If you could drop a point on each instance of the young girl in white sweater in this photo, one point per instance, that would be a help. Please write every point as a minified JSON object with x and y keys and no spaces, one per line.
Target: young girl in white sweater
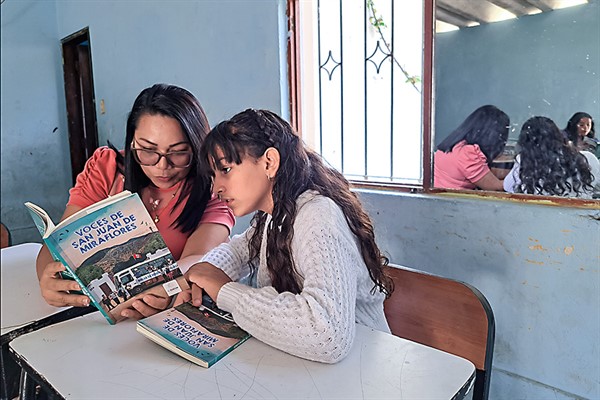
{"x":309,"y":263}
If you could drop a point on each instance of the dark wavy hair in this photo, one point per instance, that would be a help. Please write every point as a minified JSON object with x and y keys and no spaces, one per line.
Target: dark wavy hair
{"x":571,"y":128}
{"x":549,"y":166}
{"x":487,"y":127}
{"x":181,"y":105}
{"x":250,"y":133}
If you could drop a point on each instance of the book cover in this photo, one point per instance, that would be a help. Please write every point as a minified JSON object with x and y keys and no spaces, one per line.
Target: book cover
{"x":114,"y":251}
{"x":202,"y":335}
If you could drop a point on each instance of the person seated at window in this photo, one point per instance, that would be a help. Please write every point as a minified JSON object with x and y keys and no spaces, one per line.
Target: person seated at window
{"x":310,"y":252}
{"x":547,"y":165}
{"x":462,"y":160}
{"x":581,"y":133}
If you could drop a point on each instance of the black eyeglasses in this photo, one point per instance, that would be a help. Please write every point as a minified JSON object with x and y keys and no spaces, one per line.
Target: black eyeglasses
{"x":176,"y":159}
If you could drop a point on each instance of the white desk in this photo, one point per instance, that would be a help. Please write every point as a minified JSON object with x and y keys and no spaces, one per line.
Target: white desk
{"x":23,"y":309}
{"x":22,"y":302}
{"x":85,"y":358}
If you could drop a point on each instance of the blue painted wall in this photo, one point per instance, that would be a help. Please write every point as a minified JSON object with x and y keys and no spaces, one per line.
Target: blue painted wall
{"x":35,"y":162}
{"x":537,"y":265}
{"x":225,"y":52}
{"x":545,"y":64}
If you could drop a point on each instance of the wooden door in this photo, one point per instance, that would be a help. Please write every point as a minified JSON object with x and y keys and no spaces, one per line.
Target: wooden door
{"x":80,"y":99}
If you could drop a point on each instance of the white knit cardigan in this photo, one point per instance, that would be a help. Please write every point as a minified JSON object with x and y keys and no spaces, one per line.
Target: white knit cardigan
{"x":318,"y":323}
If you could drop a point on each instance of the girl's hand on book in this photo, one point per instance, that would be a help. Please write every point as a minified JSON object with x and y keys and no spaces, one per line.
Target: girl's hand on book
{"x":146,"y":306}
{"x":183,"y":297}
{"x":55,"y":290}
{"x":205,"y":277}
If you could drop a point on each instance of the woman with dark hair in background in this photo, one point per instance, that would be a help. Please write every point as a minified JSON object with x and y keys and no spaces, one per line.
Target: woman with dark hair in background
{"x":546,"y":165}
{"x":462,"y":160}
{"x":161,"y":162}
{"x":580,"y":132}
{"x":310,"y":253}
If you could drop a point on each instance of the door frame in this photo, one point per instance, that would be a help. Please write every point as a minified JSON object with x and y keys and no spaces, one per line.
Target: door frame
{"x":80,"y":98}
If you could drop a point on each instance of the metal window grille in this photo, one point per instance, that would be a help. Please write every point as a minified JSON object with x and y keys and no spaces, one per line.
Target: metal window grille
{"x":364,"y":117}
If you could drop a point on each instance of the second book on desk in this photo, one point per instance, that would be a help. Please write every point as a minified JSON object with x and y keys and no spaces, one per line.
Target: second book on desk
{"x":114,"y":251}
{"x":202,"y":335}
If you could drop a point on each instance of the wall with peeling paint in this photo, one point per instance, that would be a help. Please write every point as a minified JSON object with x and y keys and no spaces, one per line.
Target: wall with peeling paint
{"x":538,"y":266}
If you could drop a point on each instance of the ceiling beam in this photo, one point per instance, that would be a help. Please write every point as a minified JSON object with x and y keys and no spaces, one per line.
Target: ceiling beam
{"x":460,"y":9}
{"x":463,"y":13}
{"x":451,"y":18}
{"x":541,"y":4}
{"x":517,"y":7}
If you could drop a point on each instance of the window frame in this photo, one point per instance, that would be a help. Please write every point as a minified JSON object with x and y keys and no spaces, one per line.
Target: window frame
{"x":295,"y":92}
{"x":428,"y":84}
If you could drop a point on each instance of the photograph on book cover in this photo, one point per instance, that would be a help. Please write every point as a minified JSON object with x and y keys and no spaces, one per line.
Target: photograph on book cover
{"x":215,"y":320}
{"x":117,"y":253}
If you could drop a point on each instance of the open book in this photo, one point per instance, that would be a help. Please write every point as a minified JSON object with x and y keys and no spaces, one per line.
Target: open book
{"x":202,"y":335}
{"x":114,"y":251}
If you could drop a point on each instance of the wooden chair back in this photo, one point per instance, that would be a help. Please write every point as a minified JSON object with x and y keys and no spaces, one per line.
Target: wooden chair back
{"x":445,"y":314}
{"x":4,"y":236}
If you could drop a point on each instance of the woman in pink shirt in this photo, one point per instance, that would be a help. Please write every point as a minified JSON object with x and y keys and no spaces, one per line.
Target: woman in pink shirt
{"x":462,"y":160}
{"x":165,"y":130}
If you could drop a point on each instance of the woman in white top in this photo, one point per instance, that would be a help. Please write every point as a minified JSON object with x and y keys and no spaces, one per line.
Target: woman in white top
{"x":314,"y":267}
{"x":547,"y":165}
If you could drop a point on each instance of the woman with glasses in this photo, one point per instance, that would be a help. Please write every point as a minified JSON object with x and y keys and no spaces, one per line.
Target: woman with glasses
{"x":160,"y":162}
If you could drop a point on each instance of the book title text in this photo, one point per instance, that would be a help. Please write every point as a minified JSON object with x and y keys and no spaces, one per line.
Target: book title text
{"x":103,"y":230}
{"x":188,"y":333}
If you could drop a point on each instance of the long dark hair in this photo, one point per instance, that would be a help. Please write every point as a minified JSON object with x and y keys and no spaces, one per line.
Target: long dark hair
{"x":250,"y":133}
{"x":179,"y":104}
{"x":549,"y":165}
{"x":571,"y":128}
{"x":487,"y":127}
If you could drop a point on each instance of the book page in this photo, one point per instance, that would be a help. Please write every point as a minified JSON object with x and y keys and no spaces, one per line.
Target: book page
{"x":41,"y":219}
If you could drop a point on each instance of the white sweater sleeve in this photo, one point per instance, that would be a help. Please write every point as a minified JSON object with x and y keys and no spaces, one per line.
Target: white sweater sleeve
{"x":594,"y":169}
{"x":318,"y":323}
{"x":232,"y":257}
{"x":512,"y":180}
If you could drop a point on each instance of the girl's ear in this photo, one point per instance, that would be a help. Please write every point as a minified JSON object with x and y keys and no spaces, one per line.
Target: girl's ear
{"x":272,"y":158}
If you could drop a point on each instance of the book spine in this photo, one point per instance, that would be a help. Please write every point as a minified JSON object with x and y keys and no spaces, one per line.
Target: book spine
{"x":58,"y":257}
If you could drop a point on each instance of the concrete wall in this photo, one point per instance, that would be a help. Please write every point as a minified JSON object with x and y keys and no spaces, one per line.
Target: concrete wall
{"x":538,"y":266}
{"x":35,"y":164}
{"x":545,"y":64}
{"x":228,"y":53}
